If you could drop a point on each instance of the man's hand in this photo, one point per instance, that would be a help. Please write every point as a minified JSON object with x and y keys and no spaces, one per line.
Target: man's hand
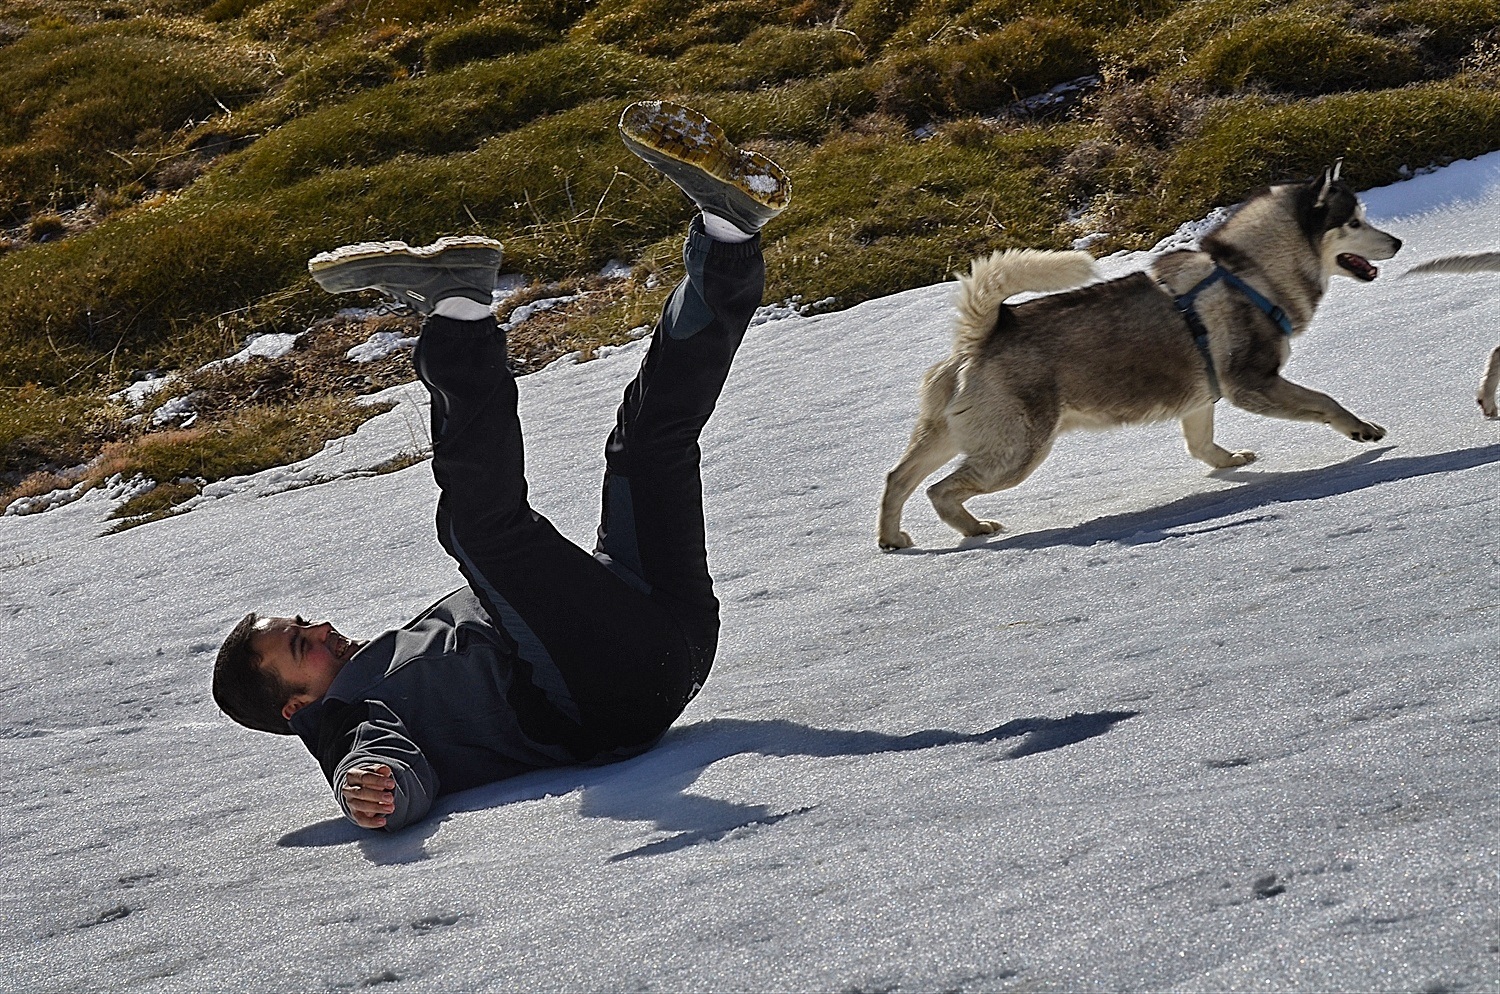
{"x":369,"y":791}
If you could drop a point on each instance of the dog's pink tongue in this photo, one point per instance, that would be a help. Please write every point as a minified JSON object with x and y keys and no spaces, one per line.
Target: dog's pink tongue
{"x":1359,"y":266}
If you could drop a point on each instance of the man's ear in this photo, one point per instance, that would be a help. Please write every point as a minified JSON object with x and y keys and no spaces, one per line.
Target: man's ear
{"x":295,"y":704}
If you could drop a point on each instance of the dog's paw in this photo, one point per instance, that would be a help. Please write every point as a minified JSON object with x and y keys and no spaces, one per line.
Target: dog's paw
{"x":1367,"y":431}
{"x":901,"y":540}
{"x":1224,"y":459}
{"x":986,"y":528}
{"x":1487,"y":405}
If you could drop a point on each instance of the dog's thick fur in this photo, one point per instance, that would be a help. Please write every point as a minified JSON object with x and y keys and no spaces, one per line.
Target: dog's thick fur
{"x":1118,"y":352}
{"x":1477,"y":262}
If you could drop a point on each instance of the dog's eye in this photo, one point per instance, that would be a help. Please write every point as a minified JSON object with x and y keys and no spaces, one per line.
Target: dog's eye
{"x":1354,"y":223}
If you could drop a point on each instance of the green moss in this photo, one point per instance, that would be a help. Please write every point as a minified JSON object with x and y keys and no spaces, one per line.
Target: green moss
{"x":133,"y":285}
{"x":668,"y":27}
{"x":874,"y":21}
{"x":956,"y":21}
{"x":804,"y":112}
{"x":482,"y":38}
{"x":767,"y":57}
{"x":228,"y":10}
{"x":1023,"y":58}
{"x":1446,"y":29}
{"x":1248,"y":143}
{"x":45,"y":427}
{"x":250,"y":440}
{"x":313,"y":21}
{"x":1162,"y":45}
{"x":1301,"y":53}
{"x":71,"y":99}
{"x":436,"y":115}
{"x":374,"y":119}
{"x":555,"y":14}
{"x":864,"y":203}
{"x":328,"y":77}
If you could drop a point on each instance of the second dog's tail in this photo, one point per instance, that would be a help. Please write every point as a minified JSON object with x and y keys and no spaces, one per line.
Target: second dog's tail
{"x":992,"y":279}
{"x":1475,"y":262}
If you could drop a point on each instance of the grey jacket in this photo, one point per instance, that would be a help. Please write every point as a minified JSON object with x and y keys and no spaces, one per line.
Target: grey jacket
{"x":439,"y":702}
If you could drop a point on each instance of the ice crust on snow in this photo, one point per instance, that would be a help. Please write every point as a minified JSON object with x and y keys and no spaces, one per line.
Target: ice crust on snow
{"x":135,"y":395}
{"x":378,"y":346}
{"x":1170,"y":731}
{"x":269,"y":346}
{"x":527,"y":311}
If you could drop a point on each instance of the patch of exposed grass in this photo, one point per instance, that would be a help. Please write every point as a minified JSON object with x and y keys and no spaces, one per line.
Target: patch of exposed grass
{"x":84,"y":105}
{"x":36,"y":484}
{"x":1159,"y":45}
{"x":1246,"y":144}
{"x":309,"y":22}
{"x":874,"y":21}
{"x":482,"y":38}
{"x":151,"y":279}
{"x":434,"y":115}
{"x":669,"y":27}
{"x":1300,"y":52}
{"x":1024,"y":57}
{"x":161,"y":501}
{"x":50,"y":430}
{"x":328,"y":77}
{"x":955,"y":21}
{"x":767,"y":57}
{"x":149,"y":220}
{"x":1445,"y":29}
{"x":247,"y":441}
{"x":868,"y":205}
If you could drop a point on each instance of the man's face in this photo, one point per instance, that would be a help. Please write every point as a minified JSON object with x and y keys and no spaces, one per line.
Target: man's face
{"x":303,"y":655}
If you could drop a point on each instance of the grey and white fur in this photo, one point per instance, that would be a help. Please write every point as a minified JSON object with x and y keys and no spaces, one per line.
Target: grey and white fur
{"x":1475,"y":262}
{"x":1119,"y":352}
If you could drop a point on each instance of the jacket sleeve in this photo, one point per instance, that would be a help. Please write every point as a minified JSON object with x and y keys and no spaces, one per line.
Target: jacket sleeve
{"x":369,"y":732}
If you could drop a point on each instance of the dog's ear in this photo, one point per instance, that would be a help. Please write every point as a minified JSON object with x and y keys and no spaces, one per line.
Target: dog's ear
{"x":1324,"y":185}
{"x":1327,"y":183}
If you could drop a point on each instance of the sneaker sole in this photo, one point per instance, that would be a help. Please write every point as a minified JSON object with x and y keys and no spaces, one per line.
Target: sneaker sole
{"x":680,"y":134}
{"x":365,"y":265}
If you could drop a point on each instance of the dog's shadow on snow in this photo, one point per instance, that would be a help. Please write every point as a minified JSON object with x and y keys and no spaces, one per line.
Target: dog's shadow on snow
{"x":653,"y":787}
{"x":1208,"y":512}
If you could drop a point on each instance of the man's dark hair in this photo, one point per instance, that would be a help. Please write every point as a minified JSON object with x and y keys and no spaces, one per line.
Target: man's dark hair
{"x":243,"y":690}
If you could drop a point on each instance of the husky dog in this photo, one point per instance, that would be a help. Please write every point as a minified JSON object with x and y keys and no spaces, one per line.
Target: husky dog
{"x":1146,"y":347}
{"x":1478,"y":262}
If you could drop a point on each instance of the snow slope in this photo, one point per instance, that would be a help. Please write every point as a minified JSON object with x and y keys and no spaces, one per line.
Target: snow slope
{"x":1170,"y":731}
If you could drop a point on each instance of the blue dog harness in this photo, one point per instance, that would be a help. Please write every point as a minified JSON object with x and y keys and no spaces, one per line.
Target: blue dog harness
{"x":1185,"y":305}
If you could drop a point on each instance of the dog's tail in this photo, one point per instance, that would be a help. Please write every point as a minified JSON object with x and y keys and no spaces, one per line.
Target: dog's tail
{"x":1474,"y":262}
{"x":992,"y":279}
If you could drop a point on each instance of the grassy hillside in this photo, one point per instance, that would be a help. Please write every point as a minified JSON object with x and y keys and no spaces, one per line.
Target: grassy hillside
{"x":167,"y":166}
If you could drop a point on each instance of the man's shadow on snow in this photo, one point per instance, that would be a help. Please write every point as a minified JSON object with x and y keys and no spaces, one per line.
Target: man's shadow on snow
{"x":1260,"y":490}
{"x":654,"y":787}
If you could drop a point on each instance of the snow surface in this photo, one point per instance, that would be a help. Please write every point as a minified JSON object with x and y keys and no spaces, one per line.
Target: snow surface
{"x":1173,"y":730}
{"x":273,"y":345}
{"x":135,"y":395}
{"x":379,"y":345}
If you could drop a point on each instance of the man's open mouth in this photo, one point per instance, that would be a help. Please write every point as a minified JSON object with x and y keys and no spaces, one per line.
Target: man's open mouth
{"x":1357,"y":266}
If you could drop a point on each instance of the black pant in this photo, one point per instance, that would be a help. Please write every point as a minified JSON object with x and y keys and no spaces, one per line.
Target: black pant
{"x":611,"y":646}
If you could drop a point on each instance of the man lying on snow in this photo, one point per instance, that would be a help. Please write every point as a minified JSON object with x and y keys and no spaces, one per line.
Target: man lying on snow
{"x":550,"y":656}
